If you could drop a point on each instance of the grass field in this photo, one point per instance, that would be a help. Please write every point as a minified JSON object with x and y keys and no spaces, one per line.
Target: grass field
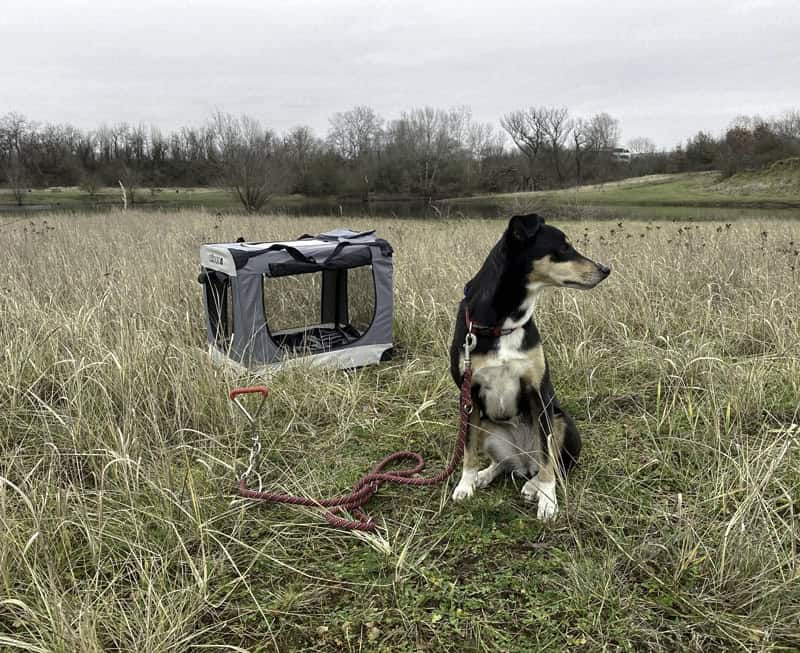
{"x":691,"y":195}
{"x":679,"y":530}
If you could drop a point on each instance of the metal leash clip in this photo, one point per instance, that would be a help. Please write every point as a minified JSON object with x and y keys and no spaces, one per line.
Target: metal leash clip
{"x":255,"y":448}
{"x":469,"y":344}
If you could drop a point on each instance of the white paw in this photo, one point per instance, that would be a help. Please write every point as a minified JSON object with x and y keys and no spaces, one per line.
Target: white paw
{"x":544,"y":492}
{"x":485,"y":477}
{"x":547,"y":509}
{"x":463,"y":491}
{"x":466,"y":486}
{"x":530,"y":491}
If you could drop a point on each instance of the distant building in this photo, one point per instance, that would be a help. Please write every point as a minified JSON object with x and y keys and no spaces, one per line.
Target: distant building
{"x":620,"y":154}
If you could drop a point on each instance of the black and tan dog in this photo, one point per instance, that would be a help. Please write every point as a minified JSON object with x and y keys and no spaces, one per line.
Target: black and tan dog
{"x":517,"y":420}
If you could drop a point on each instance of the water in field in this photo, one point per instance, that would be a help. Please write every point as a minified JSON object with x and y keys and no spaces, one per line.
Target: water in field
{"x":395,"y":208}
{"x":491,"y":208}
{"x":413,"y":208}
{"x":432,"y":209}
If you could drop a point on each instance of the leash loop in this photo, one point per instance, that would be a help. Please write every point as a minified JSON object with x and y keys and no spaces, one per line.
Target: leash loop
{"x":369,"y":484}
{"x":366,"y":487}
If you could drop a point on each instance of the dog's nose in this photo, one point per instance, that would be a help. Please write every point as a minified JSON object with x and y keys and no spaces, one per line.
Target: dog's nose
{"x":604,"y":269}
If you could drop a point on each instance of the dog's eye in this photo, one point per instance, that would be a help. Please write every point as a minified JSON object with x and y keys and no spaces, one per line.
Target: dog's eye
{"x":565,"y":248}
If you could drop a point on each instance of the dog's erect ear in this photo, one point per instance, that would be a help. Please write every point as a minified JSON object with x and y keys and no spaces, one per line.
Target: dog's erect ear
{"x":522,"y":228}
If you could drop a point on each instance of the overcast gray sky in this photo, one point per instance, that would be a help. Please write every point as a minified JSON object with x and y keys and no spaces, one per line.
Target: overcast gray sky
{"x":664,"y":69}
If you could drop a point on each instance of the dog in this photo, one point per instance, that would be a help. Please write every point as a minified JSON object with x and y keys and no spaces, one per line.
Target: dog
{"x":516,"y":418}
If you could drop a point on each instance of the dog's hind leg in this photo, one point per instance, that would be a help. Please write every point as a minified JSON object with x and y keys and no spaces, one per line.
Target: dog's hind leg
{"x":472,"y":448}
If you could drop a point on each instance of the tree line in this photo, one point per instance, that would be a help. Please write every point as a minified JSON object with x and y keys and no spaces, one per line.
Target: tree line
{"x":425,"y":152}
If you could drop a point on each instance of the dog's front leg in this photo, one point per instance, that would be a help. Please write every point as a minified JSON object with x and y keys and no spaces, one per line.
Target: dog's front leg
{"x":542,"y":487}
{"x":472,"y":448}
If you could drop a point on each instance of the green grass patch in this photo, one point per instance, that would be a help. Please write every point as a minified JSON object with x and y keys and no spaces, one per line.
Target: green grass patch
{"x":704,"y":195}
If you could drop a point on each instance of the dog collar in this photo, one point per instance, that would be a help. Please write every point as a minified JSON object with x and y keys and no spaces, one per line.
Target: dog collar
{"x":483,"y":330}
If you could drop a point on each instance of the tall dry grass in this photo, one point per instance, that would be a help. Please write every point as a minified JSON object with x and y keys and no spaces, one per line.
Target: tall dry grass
{"x":118,"y":451}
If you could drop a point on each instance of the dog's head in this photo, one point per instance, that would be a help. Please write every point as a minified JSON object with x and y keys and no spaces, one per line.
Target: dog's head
{"x":548,"y":257}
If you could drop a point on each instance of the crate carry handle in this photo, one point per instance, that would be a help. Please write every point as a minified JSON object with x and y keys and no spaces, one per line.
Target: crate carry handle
{"x":295,"y":253}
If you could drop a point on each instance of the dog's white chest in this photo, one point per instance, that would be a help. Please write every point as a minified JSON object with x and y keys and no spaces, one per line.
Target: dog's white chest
{"x":508,"y":353}
{"x":509,"y":347}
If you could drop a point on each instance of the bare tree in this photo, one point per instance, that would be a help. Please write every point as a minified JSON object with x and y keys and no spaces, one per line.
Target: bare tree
{"x":158,"y":147}
{"x":743,"y":122}
{"x":131,"y":178}
{"x":605,"y":132}
{"x":14,"y":130}
{"x":459,"y":120}
{"x":482,"y":142}
{"x":788,"y":126}
{"x":426,"y":139}
{"x":604,"y":135}
{"x":17,"y":178}
{"x":249,"y":159}
{"x":581,"y":137}
{"x":556,"y":126}
{"x":86,"y":149}
{"x":103,"y":138}
{"x":137,"y":143}
{"x":526,"y":128}
{"x":356,"y":133}
{"x":14,"y":135}
{"x":90,"y":184}
{"x":641,"y":145}
{"x":301,"y":145}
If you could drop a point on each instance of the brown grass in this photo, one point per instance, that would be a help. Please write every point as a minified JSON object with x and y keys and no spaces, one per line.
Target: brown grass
{"x":118,"y":451}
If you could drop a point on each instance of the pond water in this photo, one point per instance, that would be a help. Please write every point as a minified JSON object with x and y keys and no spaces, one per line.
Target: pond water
{"x":436,"y":209}
{"x":392,"y":208}
{"x":414,"y":208}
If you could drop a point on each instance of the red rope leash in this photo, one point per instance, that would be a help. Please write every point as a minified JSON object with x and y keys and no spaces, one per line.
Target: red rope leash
{"x":369,"y":484}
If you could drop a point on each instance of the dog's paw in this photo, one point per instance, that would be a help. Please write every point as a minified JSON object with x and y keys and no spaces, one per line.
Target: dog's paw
{"x":546,"y":509}
{"x":530,"y":491}
{"x":485,"y":477}
{"x":466,"y":485}
{"x":544,"y":493}
{"x":463,"y":491}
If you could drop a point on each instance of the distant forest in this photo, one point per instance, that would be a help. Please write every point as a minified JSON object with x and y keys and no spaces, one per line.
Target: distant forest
{"x":426,"y":152}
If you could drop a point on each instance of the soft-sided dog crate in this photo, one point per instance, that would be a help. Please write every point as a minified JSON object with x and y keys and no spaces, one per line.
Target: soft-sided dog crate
{"x":337,"y":287}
